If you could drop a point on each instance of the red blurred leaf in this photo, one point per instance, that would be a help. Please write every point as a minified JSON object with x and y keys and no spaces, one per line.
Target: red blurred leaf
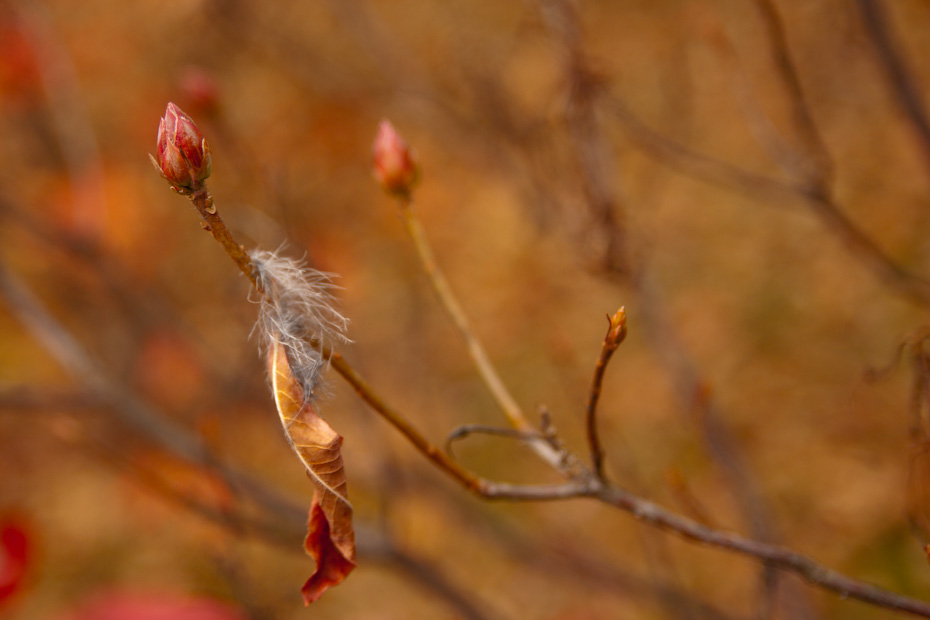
{"x":331,"y":537}
{"x":15,"y":556}
{"x":118,"y":605}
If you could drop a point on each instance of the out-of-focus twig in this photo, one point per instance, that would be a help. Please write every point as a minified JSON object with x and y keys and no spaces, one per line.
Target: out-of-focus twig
{"x":426,"y":575}
{"x":562,"y":19}
{"x":79,"y":148}
{"x":819,"y":164}
{"x":587,"y":485}
{"x":688,"y":161}
{"x":587,"y":143}
{"x":906,"y":89}
{"x":285,"y":522}
{"x":71,"y":355}
{"x":760,"y":125}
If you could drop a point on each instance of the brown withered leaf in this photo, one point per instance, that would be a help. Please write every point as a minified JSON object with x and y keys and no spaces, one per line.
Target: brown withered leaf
{"x":330,"y":536}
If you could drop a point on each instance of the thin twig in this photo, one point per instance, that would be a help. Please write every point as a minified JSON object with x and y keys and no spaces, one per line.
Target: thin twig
{"x":759,"y":123}
{"x":479,"y":486}
{"x":616,"y":332}
{"x":213,"y":224}
{"x":814,"y":146}
{"x":663,"y":149}
{"x":71,"y":122}
{"x":453,"y":308}
{"x":906,"y":89}
{"x":647,"y":512}
{"x":582,"y":485}
{"x":467,"y":430}
{"x":397,"y":420}
{"x":285,"y":521}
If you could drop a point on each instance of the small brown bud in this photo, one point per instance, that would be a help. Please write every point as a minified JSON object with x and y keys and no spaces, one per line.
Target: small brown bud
{"x":617,"y":331}
{"x":182,"y":154}
{"x":393,"y":163}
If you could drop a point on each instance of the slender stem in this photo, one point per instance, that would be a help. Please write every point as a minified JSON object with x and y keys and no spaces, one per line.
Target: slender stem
{"x":907,"y":90}
{"x":585,"y":485}
{"x":814,"y":147}
{"x":616,"y":332}
{"x":453,"y":308}
{"x":824,"y":206}
{"x":394,"y":417}
{"x":476,"y":351}
{"x":467,"y":430}
{"x":213,"y":224}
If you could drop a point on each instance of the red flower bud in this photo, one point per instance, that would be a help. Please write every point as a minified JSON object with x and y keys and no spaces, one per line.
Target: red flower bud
{"x":393,"y":163}
{"x":182,"y":154}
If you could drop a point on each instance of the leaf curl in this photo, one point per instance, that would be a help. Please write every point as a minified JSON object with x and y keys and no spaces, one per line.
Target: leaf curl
{"x":331,"y":536}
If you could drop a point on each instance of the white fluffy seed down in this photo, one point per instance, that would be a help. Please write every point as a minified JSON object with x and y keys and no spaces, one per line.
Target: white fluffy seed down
{"x":297,"y":309}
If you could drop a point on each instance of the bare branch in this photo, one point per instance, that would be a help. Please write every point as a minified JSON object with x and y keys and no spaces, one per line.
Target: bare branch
{"x":905,"y":88}
{"x":476,"y":351}
{"x":588,"y":147}
{"x":647,"y":512}
{"x":398,"y":421}
{"x":616,"y":332}
{"x":213,"y":224}
{"x":466,"y":430}
{"x":688,"y":161}
{"x":284,"y":522}
{"x":816,"y":151}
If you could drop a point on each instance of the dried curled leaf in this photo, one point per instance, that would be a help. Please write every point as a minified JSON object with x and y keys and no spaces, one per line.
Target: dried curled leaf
{"x":330,"y":537}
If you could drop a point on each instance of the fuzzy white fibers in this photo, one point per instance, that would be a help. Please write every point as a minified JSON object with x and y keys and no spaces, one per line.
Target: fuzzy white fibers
{"x":297,"y":310}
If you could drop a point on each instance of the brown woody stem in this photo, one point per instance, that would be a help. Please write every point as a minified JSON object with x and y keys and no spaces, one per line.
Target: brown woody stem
{"x":213,"y":224}
{"x":397,"y":420}
{"x":612,"y":340}
{"x":579,"y":485}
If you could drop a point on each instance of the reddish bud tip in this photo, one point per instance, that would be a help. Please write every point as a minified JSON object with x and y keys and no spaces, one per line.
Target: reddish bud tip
{"x":393,"y":163}
{"x":182,"y":154}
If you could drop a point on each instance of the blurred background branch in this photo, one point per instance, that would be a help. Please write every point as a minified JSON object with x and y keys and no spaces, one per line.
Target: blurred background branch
{"x":548,"y":133}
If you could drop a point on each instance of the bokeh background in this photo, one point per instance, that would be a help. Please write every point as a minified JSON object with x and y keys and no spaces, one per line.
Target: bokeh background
{"x":739,"y":175}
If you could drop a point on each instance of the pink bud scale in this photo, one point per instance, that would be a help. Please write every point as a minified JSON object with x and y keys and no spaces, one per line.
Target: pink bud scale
{"x":393,"y":162}
{"x":182,"y":155}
